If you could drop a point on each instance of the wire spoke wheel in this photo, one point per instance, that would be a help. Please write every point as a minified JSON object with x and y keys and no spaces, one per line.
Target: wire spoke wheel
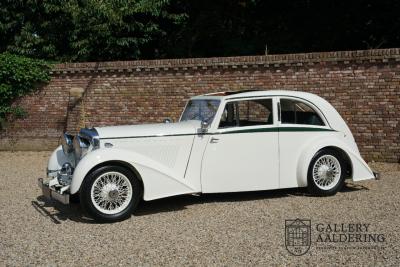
{"x":326,"y":172}
{"x":111,"y":192}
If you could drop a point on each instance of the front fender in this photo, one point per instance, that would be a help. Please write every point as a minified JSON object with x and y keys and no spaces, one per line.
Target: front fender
{"x":361,"y":170}
{"x":57,"y":159}
{"x":158,"y":180}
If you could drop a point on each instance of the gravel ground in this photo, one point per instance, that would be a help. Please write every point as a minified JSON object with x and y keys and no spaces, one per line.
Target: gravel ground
{"x":217,"y":229}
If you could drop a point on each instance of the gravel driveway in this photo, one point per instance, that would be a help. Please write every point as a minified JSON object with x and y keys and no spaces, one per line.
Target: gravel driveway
{"x":220,"y":229}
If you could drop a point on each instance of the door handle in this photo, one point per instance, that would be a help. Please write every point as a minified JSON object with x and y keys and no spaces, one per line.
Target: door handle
{"x":214,"y":140}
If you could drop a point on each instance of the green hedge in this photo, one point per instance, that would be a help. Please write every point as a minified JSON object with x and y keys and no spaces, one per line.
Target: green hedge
{"x":18,"y":77}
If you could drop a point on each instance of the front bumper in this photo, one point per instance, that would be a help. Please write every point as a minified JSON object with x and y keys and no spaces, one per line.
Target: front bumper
{"x":52,"y":191}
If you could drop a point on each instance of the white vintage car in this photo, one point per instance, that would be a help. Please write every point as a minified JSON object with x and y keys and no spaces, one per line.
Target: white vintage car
{"x":223,"y":142}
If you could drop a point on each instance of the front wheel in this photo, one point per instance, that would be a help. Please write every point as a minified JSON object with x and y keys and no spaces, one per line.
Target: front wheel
{"x":326,"y":173}
{"x":110,"y":193}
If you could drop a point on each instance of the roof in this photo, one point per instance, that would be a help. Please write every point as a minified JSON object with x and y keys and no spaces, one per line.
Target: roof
{"x":334,"y":119}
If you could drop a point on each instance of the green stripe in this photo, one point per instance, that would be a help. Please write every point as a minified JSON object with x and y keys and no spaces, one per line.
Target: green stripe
{"x":146,"y":136}
{"x":262,"y":130}
{"x":304,"y":129}
{"x":278,"y":129}
{"x":258,"y":130}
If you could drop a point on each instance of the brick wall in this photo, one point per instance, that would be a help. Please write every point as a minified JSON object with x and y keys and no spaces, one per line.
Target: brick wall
{"x":364,"y":86}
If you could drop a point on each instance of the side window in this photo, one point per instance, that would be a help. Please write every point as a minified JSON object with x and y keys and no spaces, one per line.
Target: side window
{"x":229,"y":116}
{"x":297,"y":112}
{"x":247,"y":113}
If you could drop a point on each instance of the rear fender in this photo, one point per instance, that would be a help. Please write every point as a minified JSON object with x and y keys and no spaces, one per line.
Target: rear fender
{"x":360,"y":169}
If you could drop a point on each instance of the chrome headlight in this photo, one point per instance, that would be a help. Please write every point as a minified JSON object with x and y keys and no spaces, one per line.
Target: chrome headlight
{"x":91,"y":136}
{"x":81,"y":146}
{"x":86,"y":140}
{"x":66,"y":142}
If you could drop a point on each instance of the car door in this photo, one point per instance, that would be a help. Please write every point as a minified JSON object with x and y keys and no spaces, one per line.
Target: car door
{"x":300,"y":123}
{"x":242,"y":152}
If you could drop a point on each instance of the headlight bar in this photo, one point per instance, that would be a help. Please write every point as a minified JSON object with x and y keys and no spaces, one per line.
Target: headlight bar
{"x":81,"y":142}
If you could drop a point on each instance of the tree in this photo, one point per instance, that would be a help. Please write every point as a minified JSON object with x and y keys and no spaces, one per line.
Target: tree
{"x":84,"y":30}
{"x":95,"y":30}
{"x":245,"y":27}
{"x":37,"y":29}
{"x":118,"y":29}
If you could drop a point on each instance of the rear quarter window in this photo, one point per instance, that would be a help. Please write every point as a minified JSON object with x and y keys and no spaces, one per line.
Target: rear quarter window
{"x":297,"y":112}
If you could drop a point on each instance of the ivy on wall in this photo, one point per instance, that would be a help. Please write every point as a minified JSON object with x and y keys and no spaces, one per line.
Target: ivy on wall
{"x":19,"y":76}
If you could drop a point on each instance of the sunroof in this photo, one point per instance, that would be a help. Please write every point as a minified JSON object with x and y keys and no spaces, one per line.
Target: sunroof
{"x":239,"y":92}
{"x":230,"y":93}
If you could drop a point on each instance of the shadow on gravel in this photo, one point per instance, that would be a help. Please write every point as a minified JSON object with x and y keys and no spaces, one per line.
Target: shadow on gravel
{"x":62,"y":212}
{"x":350,"y":187}
{"x":181,"y":202}
{"x":177,"y":203}
{"x":74,"y":213}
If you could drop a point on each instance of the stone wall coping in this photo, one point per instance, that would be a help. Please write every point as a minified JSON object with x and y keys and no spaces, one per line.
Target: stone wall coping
{"x":372,"y":55}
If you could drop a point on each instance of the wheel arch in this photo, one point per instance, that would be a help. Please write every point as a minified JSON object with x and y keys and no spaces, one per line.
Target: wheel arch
{"x":345,"y":157}
{"x":100,"y":158}
{"x":119,"y":163}
{"x":157,"y":179}
{"x":309,"y":153}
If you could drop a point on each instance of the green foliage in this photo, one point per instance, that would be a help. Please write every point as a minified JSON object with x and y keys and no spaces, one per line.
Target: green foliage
{"x":97,"y":30}
{"x":85,"y":30}
{"x":19,"y":76}
{"x":116,"y":29}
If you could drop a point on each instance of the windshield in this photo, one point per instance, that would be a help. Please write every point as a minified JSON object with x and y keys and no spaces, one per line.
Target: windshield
{"x":200,"y":109}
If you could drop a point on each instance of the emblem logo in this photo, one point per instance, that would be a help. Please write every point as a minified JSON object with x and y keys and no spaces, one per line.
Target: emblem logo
{"x":298,"y":236}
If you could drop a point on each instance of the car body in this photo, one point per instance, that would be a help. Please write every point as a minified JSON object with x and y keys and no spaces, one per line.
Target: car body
{"x":223,"y":142}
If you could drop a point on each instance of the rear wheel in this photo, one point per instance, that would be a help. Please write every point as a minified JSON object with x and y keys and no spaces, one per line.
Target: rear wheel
{"x":326,"y":173}
{"x":110,"y":193}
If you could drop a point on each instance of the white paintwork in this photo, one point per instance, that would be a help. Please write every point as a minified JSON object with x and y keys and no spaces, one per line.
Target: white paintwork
{"x":157,"y":129}
{"x":57,"y":159}
{"x":173,"y":158}
{"x":158,"y":180}
{"x":241,"y":162}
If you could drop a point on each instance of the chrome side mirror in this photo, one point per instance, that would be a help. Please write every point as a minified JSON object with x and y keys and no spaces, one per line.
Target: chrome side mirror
{"x":167,"y":120}
{"x":203,"y":127}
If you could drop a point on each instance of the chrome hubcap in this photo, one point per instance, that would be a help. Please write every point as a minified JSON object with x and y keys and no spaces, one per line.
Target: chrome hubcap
{"x":326,"y":172}
{"x":111,"y":192}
